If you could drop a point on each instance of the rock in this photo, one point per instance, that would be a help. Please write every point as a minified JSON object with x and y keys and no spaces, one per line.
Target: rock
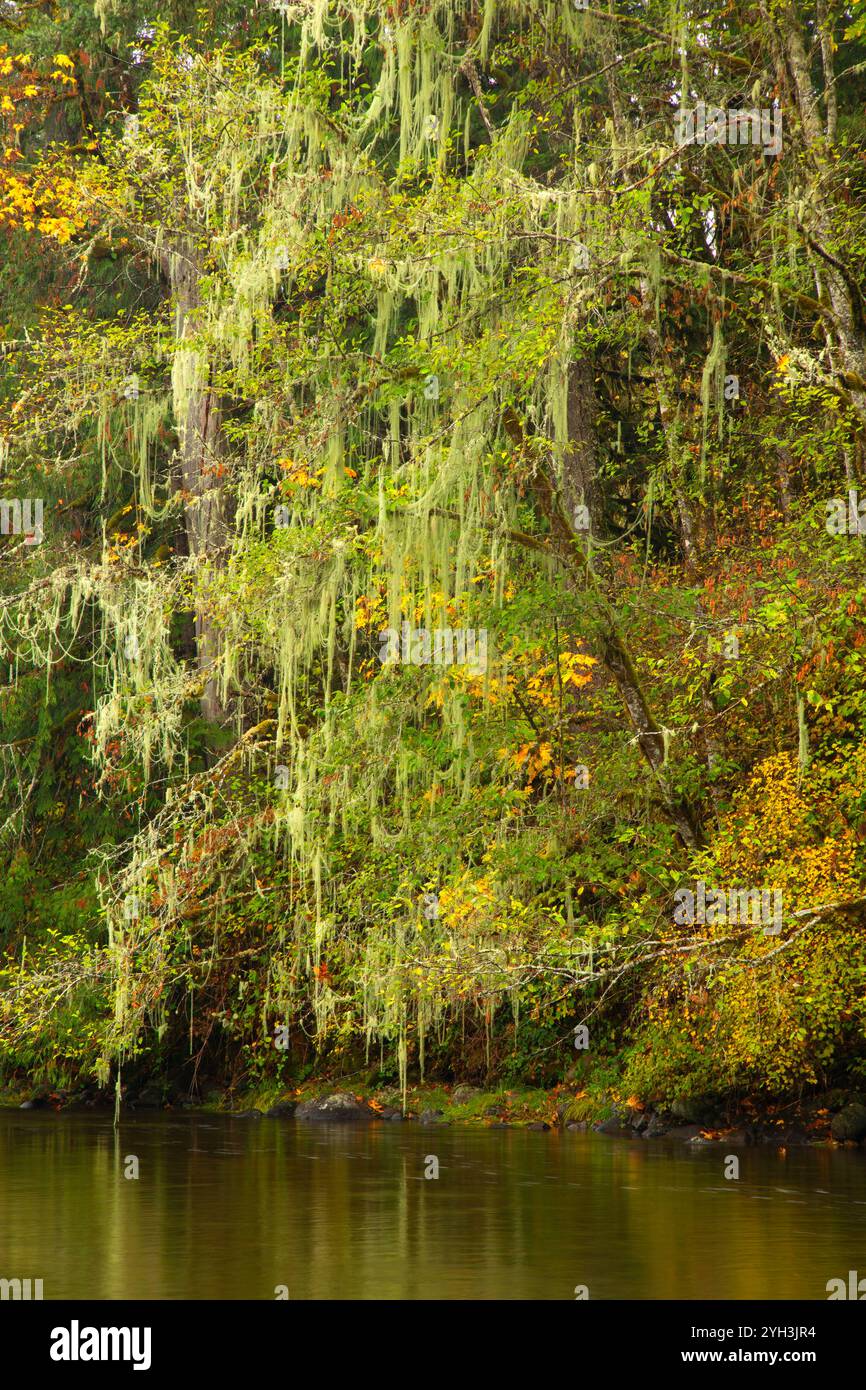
{"x":430,"y":1117}
{"x":245,"y":1115}
{"x":683,"y":1132}
{"x":340,"y":1108}
{"x":538,"y":1126}
{"x":794,"y":1137}
{"x":763,"y":1132}
{"x":85,"y":1097}
{"x":694,"y":1110}
{"x":462,"y":1095}
{"x":283,"y":1110}
{"x":564,"y":1106}
{"x":149,"y":1099}
{"x":850,"y":1123}
{"x":737,"y":1139}
{"x":614,"y":1126}
{"x":39,"y":1099}
{"x":839,"y":1098}
{"x":618,"y":1122}
{"x":390,"y":1112}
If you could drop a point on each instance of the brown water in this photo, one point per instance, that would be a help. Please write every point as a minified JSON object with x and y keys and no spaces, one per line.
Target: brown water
{"x":233,"y":1208}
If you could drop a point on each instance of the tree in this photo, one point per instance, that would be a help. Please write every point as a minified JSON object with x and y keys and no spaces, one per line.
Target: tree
{"x":455,"y":321}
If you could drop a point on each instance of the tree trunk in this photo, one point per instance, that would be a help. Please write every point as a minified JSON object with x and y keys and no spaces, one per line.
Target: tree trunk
{"x":670,"y":431}
{"x":579,"y":484}
{"x":842,"y":288}
{"x":613,"y":649}
{"x":202,"y":450}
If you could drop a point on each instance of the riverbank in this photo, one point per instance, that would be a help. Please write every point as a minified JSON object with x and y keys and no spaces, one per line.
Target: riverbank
{"x":831,"y":1117}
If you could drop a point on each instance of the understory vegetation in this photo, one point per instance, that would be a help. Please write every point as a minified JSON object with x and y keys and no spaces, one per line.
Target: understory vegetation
{"x":331,"y":321}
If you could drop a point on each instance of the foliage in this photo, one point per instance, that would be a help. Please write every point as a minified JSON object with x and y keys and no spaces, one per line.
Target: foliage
{"x":416,"y":317}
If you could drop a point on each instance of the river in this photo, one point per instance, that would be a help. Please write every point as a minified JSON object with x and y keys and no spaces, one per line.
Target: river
{"x":231,"y":1208}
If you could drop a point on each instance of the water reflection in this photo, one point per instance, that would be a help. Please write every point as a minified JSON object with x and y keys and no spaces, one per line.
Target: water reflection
{"x":233,"y":1208}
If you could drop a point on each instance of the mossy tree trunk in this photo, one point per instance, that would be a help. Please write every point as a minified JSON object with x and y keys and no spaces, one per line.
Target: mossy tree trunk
{"x":202,"y":468}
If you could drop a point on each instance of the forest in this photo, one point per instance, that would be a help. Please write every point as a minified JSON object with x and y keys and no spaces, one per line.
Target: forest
{"x":433,"y":550}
